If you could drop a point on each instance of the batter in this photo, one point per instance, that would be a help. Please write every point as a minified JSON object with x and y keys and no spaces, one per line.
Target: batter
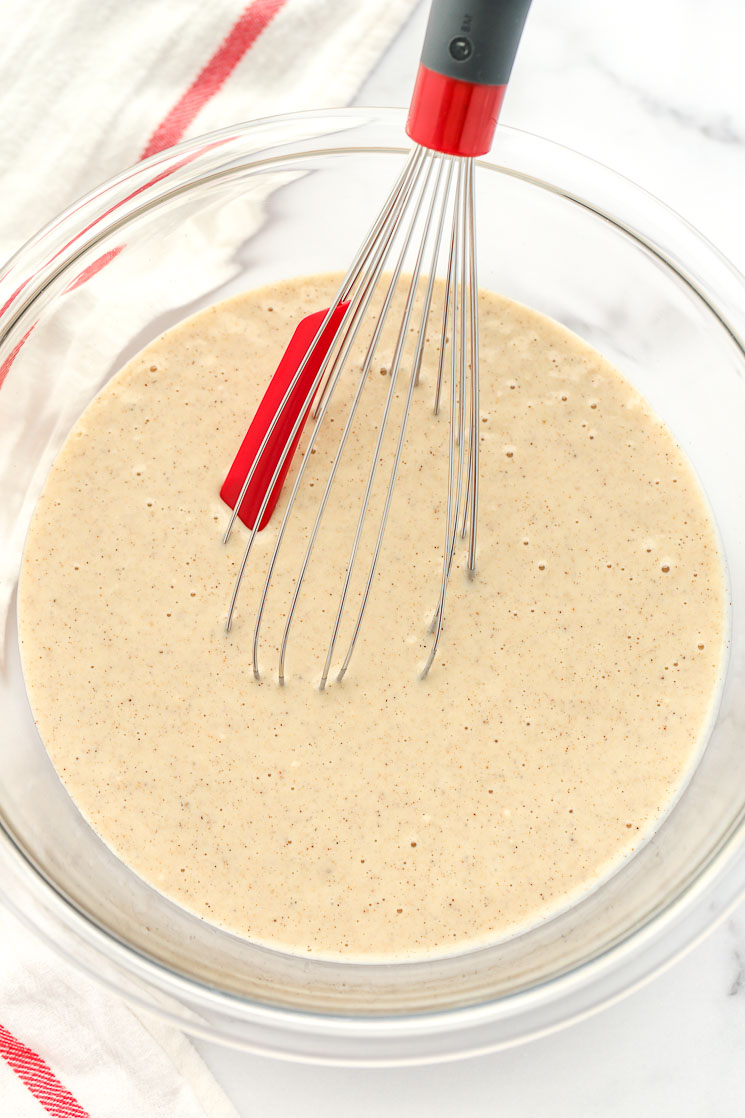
{"x":386,"y":817}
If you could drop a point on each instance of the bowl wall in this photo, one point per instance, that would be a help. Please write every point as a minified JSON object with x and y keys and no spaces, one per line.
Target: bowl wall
{"x":295,"y":195}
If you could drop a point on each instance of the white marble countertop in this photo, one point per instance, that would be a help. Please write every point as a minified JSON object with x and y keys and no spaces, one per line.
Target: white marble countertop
{"x":656,"y":90}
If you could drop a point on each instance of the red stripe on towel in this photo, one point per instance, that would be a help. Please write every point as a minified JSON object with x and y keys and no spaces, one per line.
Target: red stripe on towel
{"x":94,"y":268}
{"x":244,"y":33}
{"x":5,"y":367}
{"x":39,"y":1078}
{"x":239,"y":39}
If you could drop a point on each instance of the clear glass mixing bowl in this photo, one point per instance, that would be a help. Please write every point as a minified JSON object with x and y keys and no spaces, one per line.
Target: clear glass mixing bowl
{"x":294,"y":195}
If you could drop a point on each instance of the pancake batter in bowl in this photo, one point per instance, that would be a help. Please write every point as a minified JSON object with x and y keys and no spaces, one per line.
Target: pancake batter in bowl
{"x":386,"y":817}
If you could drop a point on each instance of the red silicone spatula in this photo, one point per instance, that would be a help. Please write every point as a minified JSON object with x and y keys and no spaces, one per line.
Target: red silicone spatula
{"x":292,"y":358}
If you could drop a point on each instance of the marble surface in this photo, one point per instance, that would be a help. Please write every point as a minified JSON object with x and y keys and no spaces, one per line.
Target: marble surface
{"x":656,"y":90}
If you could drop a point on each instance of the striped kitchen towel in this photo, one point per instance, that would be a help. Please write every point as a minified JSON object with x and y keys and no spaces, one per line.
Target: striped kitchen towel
{"x":91,"y":86}
{"x":72,"y":1049}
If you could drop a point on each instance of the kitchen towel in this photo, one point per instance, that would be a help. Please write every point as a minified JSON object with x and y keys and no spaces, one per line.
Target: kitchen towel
{"x":88,"y":88}
{"x":72,"y":1049}
{"x":91,"y":86}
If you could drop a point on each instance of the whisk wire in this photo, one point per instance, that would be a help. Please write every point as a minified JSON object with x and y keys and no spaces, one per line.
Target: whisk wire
{"x":444,"y":330}
{"x":395,"y":365}
{"x":353,"y":314}
{"x":459,"y":337}
{"x":368,"y":246}
{"x":407,"y":408}
{"x":337,"y":458}
{"x":386,"y":228}
{"x":448,"y":320}
{"x":455,"y":310}
{"x":429,"y":180}
{"x":473,"y":444}
{"x":432,"y":273}
{"x":360,"y":301}
{"x":473,"y":302}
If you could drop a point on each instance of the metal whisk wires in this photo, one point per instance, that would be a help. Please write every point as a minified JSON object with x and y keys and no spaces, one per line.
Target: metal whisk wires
{"x":433,"y":197}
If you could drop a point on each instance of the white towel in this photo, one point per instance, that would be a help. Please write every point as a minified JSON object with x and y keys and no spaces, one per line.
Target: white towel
{"x":71,"y":1048}
{"x":89,"y":87}
{"x":88,"y":84}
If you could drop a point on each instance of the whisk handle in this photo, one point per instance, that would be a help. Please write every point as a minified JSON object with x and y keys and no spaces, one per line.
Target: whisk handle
{"x":469,"y":49}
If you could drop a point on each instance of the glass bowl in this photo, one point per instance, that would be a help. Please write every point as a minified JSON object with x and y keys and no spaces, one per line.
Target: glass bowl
{"x":294,"y":195}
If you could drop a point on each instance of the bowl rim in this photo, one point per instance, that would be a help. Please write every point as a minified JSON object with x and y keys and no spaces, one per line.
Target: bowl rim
{"x":404,"y":1038}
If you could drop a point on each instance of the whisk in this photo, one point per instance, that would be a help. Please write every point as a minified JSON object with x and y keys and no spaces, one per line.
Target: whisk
{"x":468,"y":52}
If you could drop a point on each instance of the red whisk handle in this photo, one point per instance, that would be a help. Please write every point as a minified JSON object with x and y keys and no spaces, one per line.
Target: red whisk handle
{"x":452,"y":116}
{"x":467,"y":58}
